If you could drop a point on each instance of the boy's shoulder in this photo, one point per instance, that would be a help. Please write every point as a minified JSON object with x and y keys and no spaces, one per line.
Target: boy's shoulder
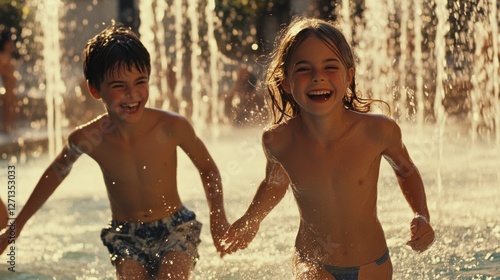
{"x":166,"y":119}
{"x":91,"y":131}
{"x":170,"y":125}
{"x":100,"y":123}
{"x":167,"y":115}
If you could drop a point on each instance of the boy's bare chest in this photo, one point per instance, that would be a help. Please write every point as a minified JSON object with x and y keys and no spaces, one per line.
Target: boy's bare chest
{"x":138,"y":164}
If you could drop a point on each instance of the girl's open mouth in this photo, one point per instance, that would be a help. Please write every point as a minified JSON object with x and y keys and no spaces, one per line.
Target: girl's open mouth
{"x":319,"y":95}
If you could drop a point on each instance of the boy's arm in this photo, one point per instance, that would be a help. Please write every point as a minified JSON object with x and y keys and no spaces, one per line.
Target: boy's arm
{"x":211,"y":180}
{"x":49,"y":181}
{"x":269,"y":193}
{"x":412,"y":186}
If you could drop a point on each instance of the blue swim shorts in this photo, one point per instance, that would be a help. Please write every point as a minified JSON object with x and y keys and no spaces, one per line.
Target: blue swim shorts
{"x":146,"y":243}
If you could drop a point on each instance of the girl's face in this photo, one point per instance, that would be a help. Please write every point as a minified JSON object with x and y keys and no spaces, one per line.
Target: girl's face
{"x":124,"y":94}
{"x":316,"y":78}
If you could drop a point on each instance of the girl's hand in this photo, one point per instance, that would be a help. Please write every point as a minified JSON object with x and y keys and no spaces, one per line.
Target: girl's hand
{"x":240,"y":234}
{"x":422,"y":234}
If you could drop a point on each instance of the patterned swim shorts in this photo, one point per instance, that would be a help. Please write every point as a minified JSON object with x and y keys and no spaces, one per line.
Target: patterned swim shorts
{"x":146,"y":243}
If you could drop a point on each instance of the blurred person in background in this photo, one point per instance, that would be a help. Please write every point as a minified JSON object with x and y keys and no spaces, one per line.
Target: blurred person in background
{"x":8,"y":89}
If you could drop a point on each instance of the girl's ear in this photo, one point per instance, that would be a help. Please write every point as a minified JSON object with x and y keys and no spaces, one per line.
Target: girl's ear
{"x":286,"y":85}
{"x":93,"y":91}
{"x":350,"y":76}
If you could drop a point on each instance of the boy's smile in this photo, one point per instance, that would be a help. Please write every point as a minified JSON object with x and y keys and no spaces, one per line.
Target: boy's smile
{"x":131,"y":107}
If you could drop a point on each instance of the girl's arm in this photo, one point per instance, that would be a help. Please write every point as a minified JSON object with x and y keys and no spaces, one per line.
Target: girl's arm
{"x":269,"y":193}
{"x":412,"y":186}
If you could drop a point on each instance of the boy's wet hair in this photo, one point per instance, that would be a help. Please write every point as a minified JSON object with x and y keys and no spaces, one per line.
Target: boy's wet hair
{"x":114,"y":49}
{"x":282,"y":105}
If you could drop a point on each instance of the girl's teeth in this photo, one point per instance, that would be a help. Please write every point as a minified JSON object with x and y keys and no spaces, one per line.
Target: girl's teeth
{"x":319,"y":92}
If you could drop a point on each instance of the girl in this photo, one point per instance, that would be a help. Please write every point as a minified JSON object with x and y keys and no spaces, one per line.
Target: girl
{"x":325,"y":146}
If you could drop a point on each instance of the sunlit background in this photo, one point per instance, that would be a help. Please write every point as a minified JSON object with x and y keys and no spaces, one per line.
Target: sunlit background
{"x":435,"y":62}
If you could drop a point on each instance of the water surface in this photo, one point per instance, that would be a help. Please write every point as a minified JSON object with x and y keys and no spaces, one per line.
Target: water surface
{"x":462,"y":182}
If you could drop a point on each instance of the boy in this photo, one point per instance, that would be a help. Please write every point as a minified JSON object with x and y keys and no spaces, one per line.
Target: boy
{"x":151,"y":233}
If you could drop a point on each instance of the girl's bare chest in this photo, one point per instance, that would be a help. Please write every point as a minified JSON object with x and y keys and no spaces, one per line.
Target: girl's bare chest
{"x":343,"y":164}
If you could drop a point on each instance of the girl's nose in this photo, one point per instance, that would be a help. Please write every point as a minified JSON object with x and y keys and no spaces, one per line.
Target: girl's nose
{"x":318,"y":77}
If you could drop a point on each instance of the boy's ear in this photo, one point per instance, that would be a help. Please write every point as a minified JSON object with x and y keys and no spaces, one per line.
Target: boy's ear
{"x":93,"y":91}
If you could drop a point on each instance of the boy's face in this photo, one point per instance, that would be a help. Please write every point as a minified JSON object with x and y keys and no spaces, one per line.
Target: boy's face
{"x":124,"y":94}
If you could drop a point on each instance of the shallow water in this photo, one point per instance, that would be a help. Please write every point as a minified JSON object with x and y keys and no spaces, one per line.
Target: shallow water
{"x":463,"y":187}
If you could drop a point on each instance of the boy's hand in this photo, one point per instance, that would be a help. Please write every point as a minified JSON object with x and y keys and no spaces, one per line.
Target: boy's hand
{"x":422,"y":234}
{"x":218,"y":229}
{"x":4,"y":238}
{"x":239,"y":235}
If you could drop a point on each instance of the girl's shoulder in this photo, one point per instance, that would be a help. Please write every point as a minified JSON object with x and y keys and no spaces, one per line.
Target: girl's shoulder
{"x":277,"y":137}
{"x":378,"y":127}
{"x":371,"y":120}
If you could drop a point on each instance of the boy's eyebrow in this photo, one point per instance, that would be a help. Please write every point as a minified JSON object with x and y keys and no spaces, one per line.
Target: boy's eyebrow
{"x":113,"y":82}
{"x":119,"y":81}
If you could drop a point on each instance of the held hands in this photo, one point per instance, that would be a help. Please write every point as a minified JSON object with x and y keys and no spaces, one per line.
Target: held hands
{"x":422,"y":234}
{"x":240,"y":234}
